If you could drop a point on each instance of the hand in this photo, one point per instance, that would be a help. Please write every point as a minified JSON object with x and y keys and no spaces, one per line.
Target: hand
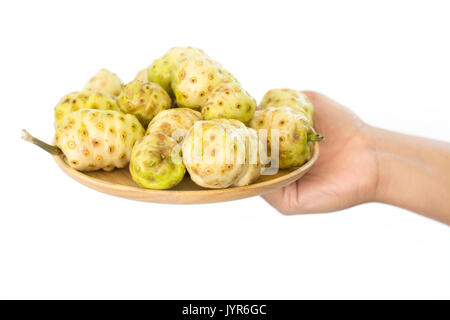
{"x":346,"y":171}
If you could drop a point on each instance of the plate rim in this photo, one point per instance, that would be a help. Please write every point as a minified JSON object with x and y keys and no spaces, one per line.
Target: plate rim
{"x":101,"y":185}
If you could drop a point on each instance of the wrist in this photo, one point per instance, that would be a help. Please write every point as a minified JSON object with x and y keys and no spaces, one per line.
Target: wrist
{"x":386,"y":147}
{"x":377,"y":142}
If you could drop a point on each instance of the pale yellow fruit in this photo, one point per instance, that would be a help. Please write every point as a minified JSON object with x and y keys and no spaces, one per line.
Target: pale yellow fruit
{"x":104,"y":82}
{"x":83,"y":100}
{"x":160,"y":70}
{"x":288,"y":98}
{"x":193,"y":80}
{"x":142,"y":75}
{"x":252,"y":169}
{"x":214,"y":154}
{"x":294,"y":131}
{"x":98,"y":139}
{"x":174,"y":122}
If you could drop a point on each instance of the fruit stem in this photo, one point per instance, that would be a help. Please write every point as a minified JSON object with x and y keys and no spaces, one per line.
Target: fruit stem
{"x":49,"y":148}
{"x":314,"y":136}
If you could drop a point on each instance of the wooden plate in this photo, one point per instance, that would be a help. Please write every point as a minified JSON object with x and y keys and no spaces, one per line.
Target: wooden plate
{"x":119,"y":183}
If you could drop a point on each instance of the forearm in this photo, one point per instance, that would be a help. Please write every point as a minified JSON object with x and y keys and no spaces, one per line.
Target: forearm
{"x":413,"y":173}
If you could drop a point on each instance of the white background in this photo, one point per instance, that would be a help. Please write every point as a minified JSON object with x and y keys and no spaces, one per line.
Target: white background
{"x":388,"y":61}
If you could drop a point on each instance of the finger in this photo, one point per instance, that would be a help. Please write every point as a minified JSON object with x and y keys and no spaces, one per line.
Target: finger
{"x":307,"y":195}
{"x":275,"y":199}
{"x":285,"y":200}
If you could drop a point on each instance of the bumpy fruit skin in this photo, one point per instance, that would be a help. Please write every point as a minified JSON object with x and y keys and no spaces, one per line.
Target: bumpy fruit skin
{"x":82,"y":100}
{"x":253,"y":164}
{"x":232,"y":122}
{"x":105,"y":82}
{"x":252,"y":168}
{"x":229,"y":101}
{"x":98,"y":139}
{"x":193,"y":80}
{"x":142,"y":75}
{"x":214,"y":154}
{"x":227,"y":76}
{"x":156,"y":162}
{"x":294,"y":128}
{"x":288,"y":98}
{"x":174,"y":123}
{"x":160,"y":70}
{"x":144,"y":100}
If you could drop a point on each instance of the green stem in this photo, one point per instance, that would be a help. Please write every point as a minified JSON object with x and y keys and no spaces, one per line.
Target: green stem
{"x":314,"y":136}
{"x":47,"y":147}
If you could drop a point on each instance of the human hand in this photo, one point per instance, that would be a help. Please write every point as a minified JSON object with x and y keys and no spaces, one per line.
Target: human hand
{"x":346,"y":171}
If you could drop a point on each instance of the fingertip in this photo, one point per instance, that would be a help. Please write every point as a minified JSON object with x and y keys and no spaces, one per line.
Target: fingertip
{"x":279,"y":199}
{"x":274,"y":198}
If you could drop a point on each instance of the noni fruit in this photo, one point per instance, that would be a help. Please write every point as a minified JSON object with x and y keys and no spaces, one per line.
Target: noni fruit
{"x":156,"y":162}
{"x":98,"y":139}
{"x":214,"y":154}
{"x":229,"y":101}
{"x":104,"y":82}
{"x":288,"y":98}
{"x":83,"y":100}
{"x":144,"y":100}
{"x":142,"y":75}
{"x":252,"y":168}
{"x":160,"y":70}
{"x":294,"y":132}
{"x":174,"y":122}
{"x":193,"y":80}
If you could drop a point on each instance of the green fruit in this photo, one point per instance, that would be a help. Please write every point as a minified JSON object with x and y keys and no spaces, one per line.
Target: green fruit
{"x":214,"y":154}
{"x":144,"y":100}
{"x":83,"y":100}
{"x":174,"y":123}
{"x":288,"y":98}
{"x":104,"y":82}
{"x":229,"y":101}
{"x":160,"y":70}
{"x":193,"y":80}
{"x":98,"y":139}
{"x":295,"y":134}
{"x":156,"y":162}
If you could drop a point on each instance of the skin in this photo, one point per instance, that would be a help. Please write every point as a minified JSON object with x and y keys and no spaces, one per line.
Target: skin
{"x":359,"y":163}
{"x":143,"y":99}
{"x":153,"y":163}
{"x":104,"y":82}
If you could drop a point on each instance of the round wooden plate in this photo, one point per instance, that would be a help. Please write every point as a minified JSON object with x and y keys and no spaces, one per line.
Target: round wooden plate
{"x":119,"y":183}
